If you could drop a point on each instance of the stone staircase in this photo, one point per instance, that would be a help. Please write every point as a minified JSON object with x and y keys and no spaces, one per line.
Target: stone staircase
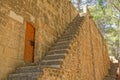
{"x":112,"y":72}
{"x":53,"y":58}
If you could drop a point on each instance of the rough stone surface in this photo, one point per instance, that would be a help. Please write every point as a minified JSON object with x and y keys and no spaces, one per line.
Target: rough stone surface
{"x":49,"y":17}
{"x":80,"y":61}
{"x":52,"y":59}
{"x":87,"y":58}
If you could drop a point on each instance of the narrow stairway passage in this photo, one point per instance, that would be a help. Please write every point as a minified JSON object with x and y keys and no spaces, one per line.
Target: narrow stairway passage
{"x":54,"y":57}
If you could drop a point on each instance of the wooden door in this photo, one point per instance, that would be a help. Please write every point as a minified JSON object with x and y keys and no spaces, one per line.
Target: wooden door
{"x":29,"y":43}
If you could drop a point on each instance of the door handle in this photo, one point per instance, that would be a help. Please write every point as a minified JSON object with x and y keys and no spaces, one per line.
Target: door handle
{"x":32,"y":43}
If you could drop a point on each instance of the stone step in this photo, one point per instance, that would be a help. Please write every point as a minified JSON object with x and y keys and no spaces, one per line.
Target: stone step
{"x":72,"y":27}
{"x":24,"y":76}
{"x":77,"y":24}
{"x":79,"y":21}
{"x":70,"y":32}
{"x":60,"y":47}
{"x":29,"y":64}
{"x":51,"y":62}
{"x":68,"y":36}
{"x":58,"y":51}
{"x":57,"y":54}
{"x":29,"y":69}
{"x":61,"y":52}
{"x":62,"y":43}
{"x":52,"y":57}
{"x":64,"y":39}
{"x":52,"y":66}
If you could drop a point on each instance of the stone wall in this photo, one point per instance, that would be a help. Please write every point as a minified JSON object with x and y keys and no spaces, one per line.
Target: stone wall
{"x":49,"y":17}
{"x":87,"y":57}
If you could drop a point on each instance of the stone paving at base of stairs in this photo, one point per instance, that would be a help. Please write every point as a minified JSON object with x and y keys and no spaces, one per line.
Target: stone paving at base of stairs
{"x":112,"y":72}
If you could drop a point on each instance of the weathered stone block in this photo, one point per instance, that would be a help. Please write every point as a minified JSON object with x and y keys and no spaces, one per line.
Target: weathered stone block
{"x":16,"y":17}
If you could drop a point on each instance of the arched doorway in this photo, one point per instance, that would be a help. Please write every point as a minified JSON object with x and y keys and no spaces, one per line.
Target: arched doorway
{"x":29,"y":43}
